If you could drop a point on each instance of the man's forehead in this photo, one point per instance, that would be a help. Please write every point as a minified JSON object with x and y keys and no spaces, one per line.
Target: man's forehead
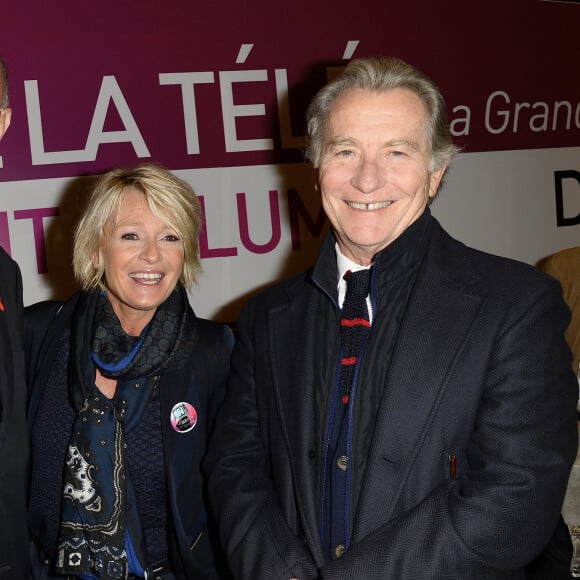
{"x":397,"y":114}
{"x":375,"y":105}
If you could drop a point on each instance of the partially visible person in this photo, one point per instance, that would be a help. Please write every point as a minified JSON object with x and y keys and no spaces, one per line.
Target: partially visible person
{"x":565,"y":267}
{"x":14,"y":562}
{"x":560,"y":560}
{"x":405,"y":409}
{"x":5,"y":110}
{"x":126,"y":381}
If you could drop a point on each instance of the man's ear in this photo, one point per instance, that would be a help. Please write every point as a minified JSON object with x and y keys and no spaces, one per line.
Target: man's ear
{"x":5,"y":117}
{"x":317,"y":180}
{"x":435,"y":180}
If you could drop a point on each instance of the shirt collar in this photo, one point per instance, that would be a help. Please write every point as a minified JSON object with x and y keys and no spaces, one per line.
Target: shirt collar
{"x":343,"y":265}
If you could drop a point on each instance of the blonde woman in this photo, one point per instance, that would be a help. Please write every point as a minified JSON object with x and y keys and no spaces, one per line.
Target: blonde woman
{"x":125,"y":383}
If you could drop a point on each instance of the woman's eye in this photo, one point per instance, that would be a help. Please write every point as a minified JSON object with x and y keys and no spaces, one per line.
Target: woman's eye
{"x":171,"y":238}
{"x":129,"y":237}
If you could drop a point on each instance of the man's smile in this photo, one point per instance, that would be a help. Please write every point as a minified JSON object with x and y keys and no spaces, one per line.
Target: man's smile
{"x":369,"y":206}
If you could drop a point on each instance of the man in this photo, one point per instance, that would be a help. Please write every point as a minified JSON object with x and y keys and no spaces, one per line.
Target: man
{"x":13,"y":440}
{"x":445,"y":451}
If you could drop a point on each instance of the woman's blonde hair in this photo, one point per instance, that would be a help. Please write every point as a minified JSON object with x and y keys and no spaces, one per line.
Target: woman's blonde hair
{"x":169,"y":198}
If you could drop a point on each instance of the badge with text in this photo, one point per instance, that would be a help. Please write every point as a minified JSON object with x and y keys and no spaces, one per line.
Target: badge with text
{"x":183,"y":417}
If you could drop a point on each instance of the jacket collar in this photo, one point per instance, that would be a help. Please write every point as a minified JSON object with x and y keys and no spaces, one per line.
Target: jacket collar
{"x":397,"y":258}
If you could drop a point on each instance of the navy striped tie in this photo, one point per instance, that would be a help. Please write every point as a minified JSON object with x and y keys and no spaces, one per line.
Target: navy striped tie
{"x":354,"y":325}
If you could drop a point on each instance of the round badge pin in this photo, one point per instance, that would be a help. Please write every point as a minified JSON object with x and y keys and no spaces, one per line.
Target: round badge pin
{"x":183,"y":417}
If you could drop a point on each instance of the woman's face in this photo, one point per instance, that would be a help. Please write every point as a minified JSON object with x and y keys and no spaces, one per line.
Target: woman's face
{"x":143,"y":260}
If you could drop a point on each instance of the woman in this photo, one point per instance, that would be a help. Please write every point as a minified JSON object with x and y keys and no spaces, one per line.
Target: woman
{"x":125,"y":384}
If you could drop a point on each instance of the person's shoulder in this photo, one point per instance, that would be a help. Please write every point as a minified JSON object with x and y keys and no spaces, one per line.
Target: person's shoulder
{"x":43,"y":307}
{"x":567,"y":255}
{"x":291,"y":284}
{"x":511,"y":277}
{"x":6,"y":261}
{"x":496,"y":273}
{"x":47,"y":310}
{"x":561,"y":263}
{"x":9,"y":270}
{"x":212,"y":339}
{"x":211,"y":328}
{"x":280,"y":291}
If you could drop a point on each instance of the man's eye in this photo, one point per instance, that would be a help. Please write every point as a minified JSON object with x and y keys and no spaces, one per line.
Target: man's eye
{"x":345,"y":153}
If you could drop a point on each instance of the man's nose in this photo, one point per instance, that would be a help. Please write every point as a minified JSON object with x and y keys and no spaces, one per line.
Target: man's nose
{"x":368,"y":176}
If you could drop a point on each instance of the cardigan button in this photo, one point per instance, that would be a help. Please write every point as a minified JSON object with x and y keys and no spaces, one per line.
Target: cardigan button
{"x":339,"y":550}
{"x":342,"y":462}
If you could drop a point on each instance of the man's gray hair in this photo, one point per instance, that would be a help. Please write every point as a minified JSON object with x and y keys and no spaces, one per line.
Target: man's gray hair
{"x":383,"y":74}
{"x":3,"y":85}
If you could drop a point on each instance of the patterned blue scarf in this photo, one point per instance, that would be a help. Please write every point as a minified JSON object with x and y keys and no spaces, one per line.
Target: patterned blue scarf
{"x":100,"y":532}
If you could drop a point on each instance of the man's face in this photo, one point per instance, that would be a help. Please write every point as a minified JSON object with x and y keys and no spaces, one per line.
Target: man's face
{"x":374,"y":174}
{"x":5,"y":114}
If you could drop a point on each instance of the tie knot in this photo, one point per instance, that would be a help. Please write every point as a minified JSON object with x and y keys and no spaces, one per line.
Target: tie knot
{"x":357,"y":283}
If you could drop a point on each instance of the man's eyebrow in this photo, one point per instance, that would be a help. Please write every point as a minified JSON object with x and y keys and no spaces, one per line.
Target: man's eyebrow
{"x":402,"y":142}
{"x":340,"y":142}
{"x":346,"y":141}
